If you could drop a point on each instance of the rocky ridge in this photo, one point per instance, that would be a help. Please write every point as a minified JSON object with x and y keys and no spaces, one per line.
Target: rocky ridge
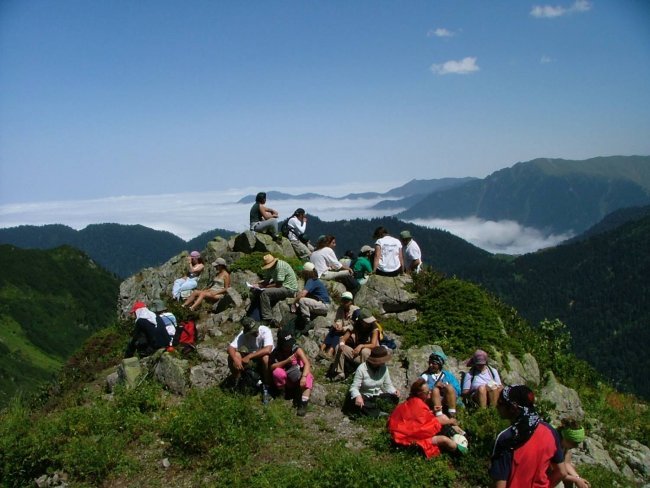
{"x":386,"y":297}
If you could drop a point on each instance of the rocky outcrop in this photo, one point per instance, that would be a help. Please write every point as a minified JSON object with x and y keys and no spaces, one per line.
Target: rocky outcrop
{"x":565,"y":400}
{"x":386,"y":295}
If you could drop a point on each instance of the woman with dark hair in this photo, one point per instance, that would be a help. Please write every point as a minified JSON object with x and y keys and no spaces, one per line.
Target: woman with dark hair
{"x":297,"y":225}
{"x":389,"y":259}
{"x":413,"y":423}
{"x":221,"y":283}
{"x":328,"y":267}
{"x":182,"y":286}
{"x":291,"y":371}
{"x":263,"y":218}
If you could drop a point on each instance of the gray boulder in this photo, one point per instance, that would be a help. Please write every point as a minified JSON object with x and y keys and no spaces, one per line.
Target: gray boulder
{"x":129,"y":371}
{"x":385,"y":294}
{"x":566,"y":400}
{"x":172,"y":372}
{"x":593,"y":452}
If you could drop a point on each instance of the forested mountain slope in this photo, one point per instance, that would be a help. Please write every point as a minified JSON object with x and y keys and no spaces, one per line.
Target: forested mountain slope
{"x":600,"y":287}
{"x":50,"y":302}
{"x":553,"y":195}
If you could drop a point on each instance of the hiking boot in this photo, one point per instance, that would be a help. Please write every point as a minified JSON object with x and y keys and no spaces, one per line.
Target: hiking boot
{"x":338,"y":378}
{"x":302,"y":408}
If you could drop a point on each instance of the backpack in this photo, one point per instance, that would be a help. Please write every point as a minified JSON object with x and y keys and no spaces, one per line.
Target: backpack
{"x":284,"y":228}
{"x":384,"y":340}
{"x":185,"y":337}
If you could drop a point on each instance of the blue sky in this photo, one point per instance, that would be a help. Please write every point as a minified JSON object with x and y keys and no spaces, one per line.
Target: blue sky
{"x":113,"y":98}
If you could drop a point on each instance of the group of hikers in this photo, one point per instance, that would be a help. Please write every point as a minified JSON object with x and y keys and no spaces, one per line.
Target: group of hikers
{"x":529,"y":453}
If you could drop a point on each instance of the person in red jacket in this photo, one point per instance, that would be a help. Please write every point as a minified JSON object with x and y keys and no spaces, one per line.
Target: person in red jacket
{"x":413,"y":423}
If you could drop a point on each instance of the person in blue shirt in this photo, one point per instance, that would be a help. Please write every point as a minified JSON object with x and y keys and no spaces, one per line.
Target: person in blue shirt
{"x":443,"y":385}
{"x":313,"y":299}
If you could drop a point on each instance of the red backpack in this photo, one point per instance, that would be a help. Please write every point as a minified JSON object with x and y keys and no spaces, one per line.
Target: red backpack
{"x":185,"y":337}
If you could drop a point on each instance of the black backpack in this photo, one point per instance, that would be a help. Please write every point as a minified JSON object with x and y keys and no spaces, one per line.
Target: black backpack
{"x":284,"y":228}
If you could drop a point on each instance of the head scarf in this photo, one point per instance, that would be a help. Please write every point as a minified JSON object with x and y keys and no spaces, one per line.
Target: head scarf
{"x":524,"y":425}
{"x":573,"y":435}
{"x":145,"y":313}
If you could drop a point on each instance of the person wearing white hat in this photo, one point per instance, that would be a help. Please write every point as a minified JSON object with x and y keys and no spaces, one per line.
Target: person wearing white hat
{"x":346,"y":315}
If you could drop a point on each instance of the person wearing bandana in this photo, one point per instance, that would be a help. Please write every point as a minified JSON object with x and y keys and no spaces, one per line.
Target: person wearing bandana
{"x":528,"y":454}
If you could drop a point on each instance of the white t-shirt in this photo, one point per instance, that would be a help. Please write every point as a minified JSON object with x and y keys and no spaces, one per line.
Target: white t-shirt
{"x":411,"y":253}
{"x":389,"y":257}
{"x":253,"y":343}
{"x":296,"y":228}
{"x":485,"y":377}
{"x":325,"y":260}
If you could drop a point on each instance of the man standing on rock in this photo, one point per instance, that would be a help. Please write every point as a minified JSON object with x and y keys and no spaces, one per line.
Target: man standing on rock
{"x":412,"y":253}
{"x":529,"y":452}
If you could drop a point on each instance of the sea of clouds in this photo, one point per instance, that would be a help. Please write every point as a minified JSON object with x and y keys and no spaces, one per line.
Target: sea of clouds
{"x":190,"y":214}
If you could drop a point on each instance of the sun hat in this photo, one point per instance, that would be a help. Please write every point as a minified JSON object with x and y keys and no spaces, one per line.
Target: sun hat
{"x":308,"y":266}
{"x":136,"y":306}
{"x":286,"y":340}
{"x":219,"y":262}
{"x":365,"y":248}
{"x":405,"y":234}
{"x":378,"y":356}
{"x":479,"y":358}
{"x":195,"y":254}
{"x":249,"y":325}
{"x":269,"y":261}
{"x":367,"y":317}
{"x":346,"y":295}
{"x":158,"y":306}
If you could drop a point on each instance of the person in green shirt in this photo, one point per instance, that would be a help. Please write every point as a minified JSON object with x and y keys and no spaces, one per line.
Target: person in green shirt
{"x":362,"y":266}
{"x":280,"y":282}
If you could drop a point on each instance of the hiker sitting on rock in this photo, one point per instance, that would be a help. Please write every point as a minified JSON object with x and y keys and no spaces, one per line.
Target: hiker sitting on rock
{"x":297,"y":225}
{"x":481,"y":383}
{"x":169,"y":319}
{"x":412,"y":253}
{"x":263,"y":218}
{"x":389,"y":260}
{"x":356,"y":346}
{"x":572,"y":434}
{"x":442,"y":384}
{"x":329,"y":267}
{"x":312,"y":300}
{"x":372,"y":392}
{"x":280,"y":282}
{"x":413,"y":423}
{"x":362,"y":266}
{"x":529,"y":452}
{"x":251,"y":348}
{"x":346,"y":315}
{"x":182,"y":286}
{"x":291,"y":371}
{"x":221,"y":283}
{"x":149,"y":334}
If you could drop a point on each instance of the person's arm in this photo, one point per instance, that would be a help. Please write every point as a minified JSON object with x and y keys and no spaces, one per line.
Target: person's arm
{"x":267,"y":212}
{"x":300,"y":354}
{"x":197,"y":268}
{"x":374,"y":342}
{"x":401,"y":260}
{"x":375,"y":261}
{"x":226,"y":281}
{"x":283,"y":363}
{"x":355,"y":387}
{"x":264,"y":351}
{"x":344,"y":338}
{"x":301,"y":294}
{"x":500,"y":484}
{"x":387,"y":385}
{"x":236,"y":358}
{"x":558,"y":473}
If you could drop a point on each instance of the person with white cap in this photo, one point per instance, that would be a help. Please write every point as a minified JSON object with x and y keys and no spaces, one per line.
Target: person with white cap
{"x":313,"y":299}
{"x":280,"y":282}
{"x":412,"y":253}
{"x":220,"y":285}
{"x":346,"y":315}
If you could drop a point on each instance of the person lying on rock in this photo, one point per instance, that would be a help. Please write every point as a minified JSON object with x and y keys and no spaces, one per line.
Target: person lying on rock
{"x":346,"y":315}
{"x":481,"y":383}
{"x":149,"y":333}
{"x":312,"y":300}
{"x":355,"y":347}
{"x":442,"y":384}
{"x":251,"y":348}
{"x":220,"y":285}
{"x":413,"y":423}
{"x":372,"y":393}
{"x":291,"y":371}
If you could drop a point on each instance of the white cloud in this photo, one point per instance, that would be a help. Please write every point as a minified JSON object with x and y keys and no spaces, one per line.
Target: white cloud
{"x":440,"y":32}
{"x":551,"y":12}
{"x":189,"y":214}
{"x":464,"y":66}
{"x":545,"y":60}
{"x":505,"y":236}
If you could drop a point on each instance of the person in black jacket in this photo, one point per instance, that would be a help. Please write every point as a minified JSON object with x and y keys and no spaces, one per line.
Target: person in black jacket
{"x":149,"y":334}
